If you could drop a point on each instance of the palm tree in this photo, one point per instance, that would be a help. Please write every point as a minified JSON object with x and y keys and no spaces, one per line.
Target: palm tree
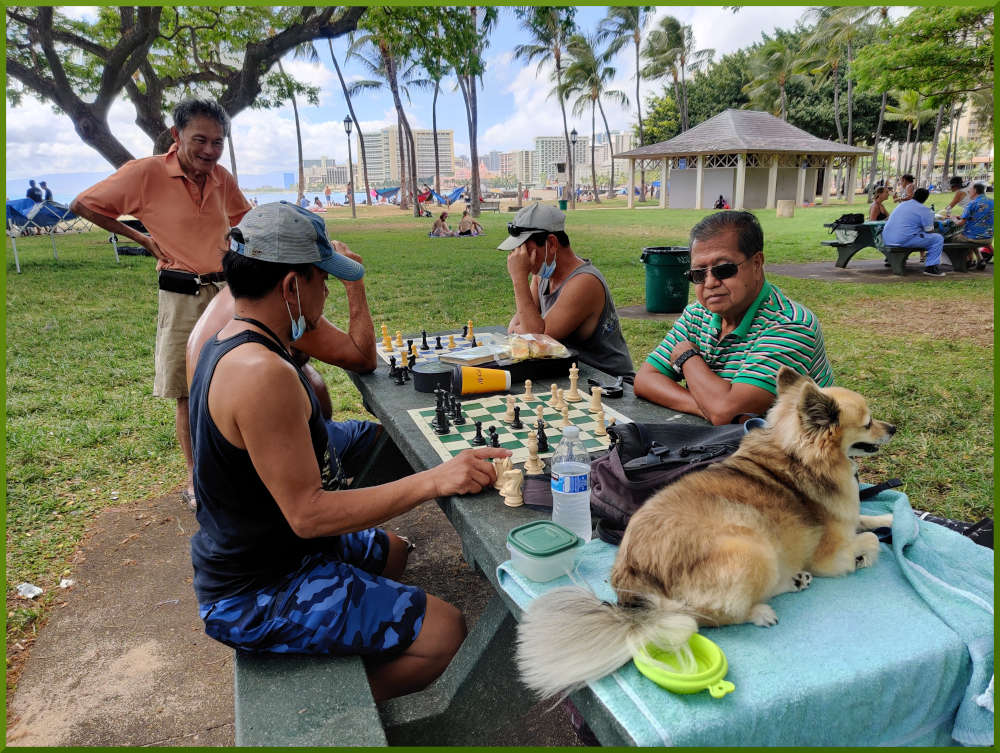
{"x":670,"y":49}
{"x":587,"y":75}
{"x":624,"y":23}
{"x":911,"y":110}
{"x":289,"y":90}
{"x":772,"y":68}
{"x":432,"y":63}
{"x":348,"y":93}
{"x":550,"y":28}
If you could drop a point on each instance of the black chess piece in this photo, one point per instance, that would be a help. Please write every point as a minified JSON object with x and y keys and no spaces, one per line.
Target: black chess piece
{"x":494,"y":437}
{"x":392,"y":366}
{"x":423,"y":342}
{"x":457,"y":417}
{"x":400,"y":375}
{"x":440,"y":423}
{"x":543,"y":441}
{"x":409,"y":347}
{"x":474,"y":343}
{"x":405,"y":372}
{"x":439,"y":346}
{"x":412,"y":360}
{"x":465,"y":330}
{"x":479,"y":440}
{"x":516,"y":423}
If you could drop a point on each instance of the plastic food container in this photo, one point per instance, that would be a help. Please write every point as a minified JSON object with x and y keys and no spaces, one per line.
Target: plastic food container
{"x":542,"y":550}
{"x":709,"y":671}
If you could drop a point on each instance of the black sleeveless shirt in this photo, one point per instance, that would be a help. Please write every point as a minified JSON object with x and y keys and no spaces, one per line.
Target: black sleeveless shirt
{"x":244,"y":542}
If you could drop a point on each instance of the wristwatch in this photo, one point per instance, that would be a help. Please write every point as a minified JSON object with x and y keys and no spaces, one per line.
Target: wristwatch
{"x":682,"y":359}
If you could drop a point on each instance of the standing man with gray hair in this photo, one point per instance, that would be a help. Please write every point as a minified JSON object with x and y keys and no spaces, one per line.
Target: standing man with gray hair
{"x":188,"y":203}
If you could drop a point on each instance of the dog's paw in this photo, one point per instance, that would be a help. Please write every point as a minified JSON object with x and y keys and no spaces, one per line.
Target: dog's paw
{"x":867,"y":552}
{"x":801,"y":581}
{"x":763,"y":616}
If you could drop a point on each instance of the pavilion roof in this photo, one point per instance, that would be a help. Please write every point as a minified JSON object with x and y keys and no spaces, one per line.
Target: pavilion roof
{"x":736,"y":131}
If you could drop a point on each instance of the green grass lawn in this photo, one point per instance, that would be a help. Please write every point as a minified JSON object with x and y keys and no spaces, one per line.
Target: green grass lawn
{"x":84,"y":433}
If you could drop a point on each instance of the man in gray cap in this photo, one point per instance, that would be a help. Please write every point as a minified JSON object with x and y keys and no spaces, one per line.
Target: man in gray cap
{"x":560,"y":294}
{"x":285,"y":560}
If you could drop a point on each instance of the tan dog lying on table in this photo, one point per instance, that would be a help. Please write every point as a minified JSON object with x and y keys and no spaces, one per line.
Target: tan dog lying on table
{"x":716,"y":545}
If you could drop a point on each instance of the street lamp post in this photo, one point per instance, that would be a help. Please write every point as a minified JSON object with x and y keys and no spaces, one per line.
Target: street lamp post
{"x":350,"y":166}
{"x":572,"y":168}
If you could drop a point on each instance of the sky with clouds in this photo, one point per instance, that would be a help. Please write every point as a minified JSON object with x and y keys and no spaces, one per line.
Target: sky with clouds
{"x":514,"y":103}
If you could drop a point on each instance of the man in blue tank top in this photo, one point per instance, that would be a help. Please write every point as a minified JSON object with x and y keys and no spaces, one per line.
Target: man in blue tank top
{"x":285,"y":561}
{"x":559,"y":294}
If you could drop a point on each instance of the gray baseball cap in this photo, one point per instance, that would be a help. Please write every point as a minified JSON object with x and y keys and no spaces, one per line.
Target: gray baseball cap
{"x":284,"y":233}
{"x":536,"y":218}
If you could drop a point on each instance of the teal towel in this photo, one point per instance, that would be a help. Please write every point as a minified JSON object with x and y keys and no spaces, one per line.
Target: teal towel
{"x":854,"y":661}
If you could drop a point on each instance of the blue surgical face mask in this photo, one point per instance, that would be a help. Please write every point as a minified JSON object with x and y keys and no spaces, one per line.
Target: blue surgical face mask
{"x":298,"y":325}
{"x":548,"y":268}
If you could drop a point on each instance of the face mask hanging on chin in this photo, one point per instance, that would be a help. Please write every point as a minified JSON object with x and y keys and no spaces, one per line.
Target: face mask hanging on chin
{"x":298,"y":325}
{"x":547,"y":269}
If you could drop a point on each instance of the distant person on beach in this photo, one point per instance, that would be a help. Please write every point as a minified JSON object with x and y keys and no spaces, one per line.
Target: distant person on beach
{"x":441,"y":229}
{"x":47,"y":191}
{"x":468,"y":226}
{"x":34,"y":192}
{"x":327,"y":193}
{"x":188,"y":203}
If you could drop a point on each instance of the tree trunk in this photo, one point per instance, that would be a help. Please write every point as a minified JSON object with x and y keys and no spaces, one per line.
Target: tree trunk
{"x":298,"y":129}
{"x":593,"y":137}
{"x":878,"y":134}
{"x":638,"y":112}
{"x":947,"y":149}
{"x":836,"y":105}
{"x":920,"y":151}
{"x":677,"y":100}
{"x":232,"y":159}
{"x":570,"y":156}
{"x":850,"y":99}
{"x":357,"y":125}
{"x":434,"y":127}
{"x":611,"y":150}
{"x":784,"y":104}
{"x":412,"y":166}
{"x":934,"y":143}
{"x":468,"y":86}
{"x":907,"y":150}
{"x":954,"y":153}
{"x":404,"y":201}
{"x":684,"y":95}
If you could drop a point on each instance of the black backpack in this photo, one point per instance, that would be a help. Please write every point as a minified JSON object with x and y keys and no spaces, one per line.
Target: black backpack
{"x":852,"y":218}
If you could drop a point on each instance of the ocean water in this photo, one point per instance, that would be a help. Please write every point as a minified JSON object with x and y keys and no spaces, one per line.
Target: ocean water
{"x":264,"y":197}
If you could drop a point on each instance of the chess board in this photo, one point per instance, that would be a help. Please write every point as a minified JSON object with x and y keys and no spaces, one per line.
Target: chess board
{"x":424,"y":354}
{"x":490,"y":410}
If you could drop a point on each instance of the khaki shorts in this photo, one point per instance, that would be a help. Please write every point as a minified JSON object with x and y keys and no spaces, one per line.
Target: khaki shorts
{"x":178,"y":313}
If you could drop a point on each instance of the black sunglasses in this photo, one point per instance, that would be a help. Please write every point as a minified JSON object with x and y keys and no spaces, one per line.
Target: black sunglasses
{"x":720,"y":271}
{"x":515,"y":230}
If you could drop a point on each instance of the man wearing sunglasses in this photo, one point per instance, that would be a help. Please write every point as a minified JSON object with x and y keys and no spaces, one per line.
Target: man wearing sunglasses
{"x":728,"y":345}
{"x":560,"y":294}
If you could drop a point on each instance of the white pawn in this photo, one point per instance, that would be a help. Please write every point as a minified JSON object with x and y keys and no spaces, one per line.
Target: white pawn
{"x":595,"y":400}
{"x":562,"y":398}
{"x":511,"y":488}
{"x":539,"y":411}
{"x":527,"y":390}
{"x":599,"y":429}
{"x":574,"y":395}
{"x":533,"y":466}
{"x":554,"y":397}
{"x":509,"y":415}
{"x":565,"y":417}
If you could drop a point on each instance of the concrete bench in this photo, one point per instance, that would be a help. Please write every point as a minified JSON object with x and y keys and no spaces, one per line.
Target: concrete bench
{"x":297,"y":700}
{"x":957,"y":254}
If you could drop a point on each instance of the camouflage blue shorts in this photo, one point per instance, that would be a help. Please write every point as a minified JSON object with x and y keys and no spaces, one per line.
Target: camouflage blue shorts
{"x":333,"y":603}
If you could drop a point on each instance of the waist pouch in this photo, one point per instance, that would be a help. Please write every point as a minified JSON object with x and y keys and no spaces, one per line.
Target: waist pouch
{"x":188,"y":283}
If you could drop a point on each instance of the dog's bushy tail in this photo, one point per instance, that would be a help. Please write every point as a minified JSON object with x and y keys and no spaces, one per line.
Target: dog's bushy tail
{"x":568,"y":637}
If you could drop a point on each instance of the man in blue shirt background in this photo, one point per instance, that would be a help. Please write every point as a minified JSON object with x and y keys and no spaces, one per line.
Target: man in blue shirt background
{"x":910,"y":225}
{"x":977,"y":223}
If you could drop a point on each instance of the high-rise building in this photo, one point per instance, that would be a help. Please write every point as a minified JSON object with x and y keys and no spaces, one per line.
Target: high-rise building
{"x":521,"y":164}
{"x":382,"y":153}
{"x":550,"y":158}
{"x":492,"y":161}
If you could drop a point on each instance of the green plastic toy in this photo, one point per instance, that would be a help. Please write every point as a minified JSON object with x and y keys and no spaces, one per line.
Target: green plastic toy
{"x":710,"y":668}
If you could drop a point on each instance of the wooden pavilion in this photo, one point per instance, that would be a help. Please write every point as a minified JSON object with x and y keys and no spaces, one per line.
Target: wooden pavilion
{"x":751,"y":158}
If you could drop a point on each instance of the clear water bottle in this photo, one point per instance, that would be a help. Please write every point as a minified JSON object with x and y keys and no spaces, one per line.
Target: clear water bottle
{"x":571,"y":484}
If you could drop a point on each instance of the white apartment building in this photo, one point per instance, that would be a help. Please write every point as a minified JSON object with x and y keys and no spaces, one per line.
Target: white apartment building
{"x":323,"y":172}
{"x":382,"y":153}
{"x":522,"y":164}
{"x":550,"y":159}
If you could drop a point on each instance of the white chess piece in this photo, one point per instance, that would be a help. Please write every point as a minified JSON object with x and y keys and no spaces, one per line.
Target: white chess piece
{"x":501,"y":466}
{"x":565,"y":417}
{"x":539,"y":411}
{"x":574,"y":395}
{"x":595,"y":400}
{"x":599,"y":429}
{"x":511,"y":488}
{"x":509,"y":415}
{"x":527,"y":390}
{"x":533,"y":466}
{"x":553,"y":397}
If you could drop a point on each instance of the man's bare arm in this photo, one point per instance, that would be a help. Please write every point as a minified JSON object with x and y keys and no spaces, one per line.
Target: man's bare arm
{"x":118,"y":228}
{"x":288,"y":467}
{"x":718,"y":399}
{"x":658,"y":388}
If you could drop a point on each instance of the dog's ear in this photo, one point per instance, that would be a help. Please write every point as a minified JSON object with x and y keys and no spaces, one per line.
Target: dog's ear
{"x":816,"y":410}
{"x":787,"y":378}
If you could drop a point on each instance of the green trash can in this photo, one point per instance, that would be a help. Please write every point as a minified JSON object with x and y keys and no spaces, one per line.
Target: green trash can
{"x":666,"y":286}
{"x":563,"y":204}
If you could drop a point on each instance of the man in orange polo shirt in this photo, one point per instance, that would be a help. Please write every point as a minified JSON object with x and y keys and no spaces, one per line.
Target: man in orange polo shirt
{"x":188,"y":203}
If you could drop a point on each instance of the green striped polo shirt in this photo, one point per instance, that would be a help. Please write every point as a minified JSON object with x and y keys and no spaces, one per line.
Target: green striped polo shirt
{"x":775,"y":331}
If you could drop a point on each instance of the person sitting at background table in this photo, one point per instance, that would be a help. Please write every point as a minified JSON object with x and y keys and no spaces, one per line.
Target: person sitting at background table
{"x":877,"y":211}
{"x":906,"y":188}
{"x":961,"y":198}
{"x":729,"y":344}
{"x":911,"y":225}
{"x":977,"y":224}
